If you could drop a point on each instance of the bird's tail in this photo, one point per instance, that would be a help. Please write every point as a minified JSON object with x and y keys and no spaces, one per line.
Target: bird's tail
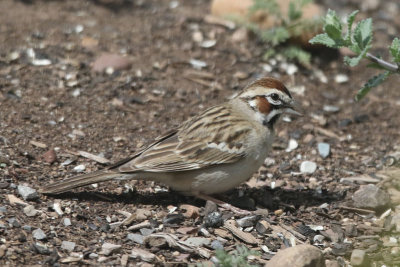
{"x":80,"y":180}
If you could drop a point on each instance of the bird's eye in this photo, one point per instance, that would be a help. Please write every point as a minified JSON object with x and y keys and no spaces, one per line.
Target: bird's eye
{"x":274,"y":97}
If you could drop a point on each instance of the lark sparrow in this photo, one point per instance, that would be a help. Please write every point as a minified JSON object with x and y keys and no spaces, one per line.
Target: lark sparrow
{"x":211,"y":152}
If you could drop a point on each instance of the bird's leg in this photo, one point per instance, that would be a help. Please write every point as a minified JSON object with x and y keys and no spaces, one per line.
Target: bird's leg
{"x":223,"y":204}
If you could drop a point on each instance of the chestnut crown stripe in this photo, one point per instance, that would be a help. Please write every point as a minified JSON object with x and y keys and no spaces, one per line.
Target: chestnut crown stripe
{"x":270,"y":83}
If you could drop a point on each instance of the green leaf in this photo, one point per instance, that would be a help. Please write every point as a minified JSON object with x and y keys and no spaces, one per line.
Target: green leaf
{"x":373,"y":82}
{"x":333,"y":32}
{"x":362,"y":36}
{"x":275,"y":36}
{"x":333,"y":26}
{"x":395,"y":50}
{"x":298,"y":54}
{"x":353,"y":61}
{"x":350,"y":21}
{"x":324,"y":39}
{"x":294,"y":11}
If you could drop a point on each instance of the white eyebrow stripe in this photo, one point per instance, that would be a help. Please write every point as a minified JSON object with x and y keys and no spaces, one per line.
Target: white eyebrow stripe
{"x":260,"y":91}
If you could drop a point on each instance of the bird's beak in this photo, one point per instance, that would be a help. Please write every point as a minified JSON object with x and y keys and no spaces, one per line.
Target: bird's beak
{"x":293,"y":108}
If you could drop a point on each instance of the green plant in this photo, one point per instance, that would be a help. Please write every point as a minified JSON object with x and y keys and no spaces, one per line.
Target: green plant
{"x":237,"y":258}
{"x":290,"y":25}
{"x":359,"y":40}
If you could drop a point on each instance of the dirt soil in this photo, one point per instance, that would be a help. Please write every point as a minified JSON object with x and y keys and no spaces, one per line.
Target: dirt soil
{"x":64,"y":107}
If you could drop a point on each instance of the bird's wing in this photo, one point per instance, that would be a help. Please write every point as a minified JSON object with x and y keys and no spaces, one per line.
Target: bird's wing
{"x":211,"y":138}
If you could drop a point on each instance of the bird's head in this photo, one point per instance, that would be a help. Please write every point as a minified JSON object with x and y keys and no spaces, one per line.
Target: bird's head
{"x":268,"y":98}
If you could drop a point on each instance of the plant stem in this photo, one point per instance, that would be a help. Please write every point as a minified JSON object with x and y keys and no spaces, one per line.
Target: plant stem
{"x":384,"y":64}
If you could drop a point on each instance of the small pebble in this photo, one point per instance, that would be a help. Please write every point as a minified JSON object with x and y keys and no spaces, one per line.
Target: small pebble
{"x":213,"y":219}
{"x":216,"y":245}
{"x":14,"y":222}
{"x":361,"y":118}
{"x":50,"y":156}
{"x":79,"y":168}
{"x":146,"y":231}
{"x":68,"y":246}
{"x":41,"y":248}
{"x":324,"y":149}
{"x":30,"y":211}
{"x":57,"y":208}
{"x":292,"y":145}
{"x":321,"y":76}
{"x":76,"y":92}
{"x":135,"y":238}
{"x":318,"y":239}
{"x":357,"y":257}
{"x":67,"y":221}
{"x":39,"y":234}
{"x":197,"y":64}
{"x":371,"y":197}
{"x":114,"y":61}
{"x":248,"y":221}
{"x":208,"y":43}
{"x":345,"y":122}
{"x":93,"y":255}
{"x":27,"y":228}
{"x":27,"y":193}
{"x":331,"y":109}
{"x":341,"y":78}
{"x":291,"y":69}
{"x":278,"y":212}
{"x":308,"y":167}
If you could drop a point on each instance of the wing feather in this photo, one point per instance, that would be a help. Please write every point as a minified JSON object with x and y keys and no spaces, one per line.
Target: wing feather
{"x":197,"y":144}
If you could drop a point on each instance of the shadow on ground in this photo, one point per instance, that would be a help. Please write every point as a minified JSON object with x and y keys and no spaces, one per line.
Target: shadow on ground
{"x":264,"y":197}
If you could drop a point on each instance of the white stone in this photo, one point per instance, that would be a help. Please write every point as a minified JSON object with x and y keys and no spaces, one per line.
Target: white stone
{"x":292,"y":145}
{"x":80,"y":168}
{"x":341,"y":78}
{"x":308,"y":167}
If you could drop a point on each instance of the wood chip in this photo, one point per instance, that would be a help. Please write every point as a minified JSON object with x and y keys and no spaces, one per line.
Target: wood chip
{"x":70,"y":259}
{"x":223,"y":233}
{"x":294,"y":232}
{"x":142,"y":254}
{"x":38,"y":144}
{"x":169,"y":239}
{"x":279,"y":230}
{"x":93,"y":157}
{"x":357,"y":210}
{"x":329,"y":133}
{"x":192,"y":212}
{"x":205,"y":75}
{"x":138,"y":226}
{"x":246,"y":237}
{"x":362,"y":179}
{"x":16,"y":201}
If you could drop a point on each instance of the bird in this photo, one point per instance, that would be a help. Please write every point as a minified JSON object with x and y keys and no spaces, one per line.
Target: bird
{"x":208,"y":154}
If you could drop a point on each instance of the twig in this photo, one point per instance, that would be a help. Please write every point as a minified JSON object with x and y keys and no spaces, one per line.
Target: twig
{"x":384,"y":64}
{"x":357,"y":209}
